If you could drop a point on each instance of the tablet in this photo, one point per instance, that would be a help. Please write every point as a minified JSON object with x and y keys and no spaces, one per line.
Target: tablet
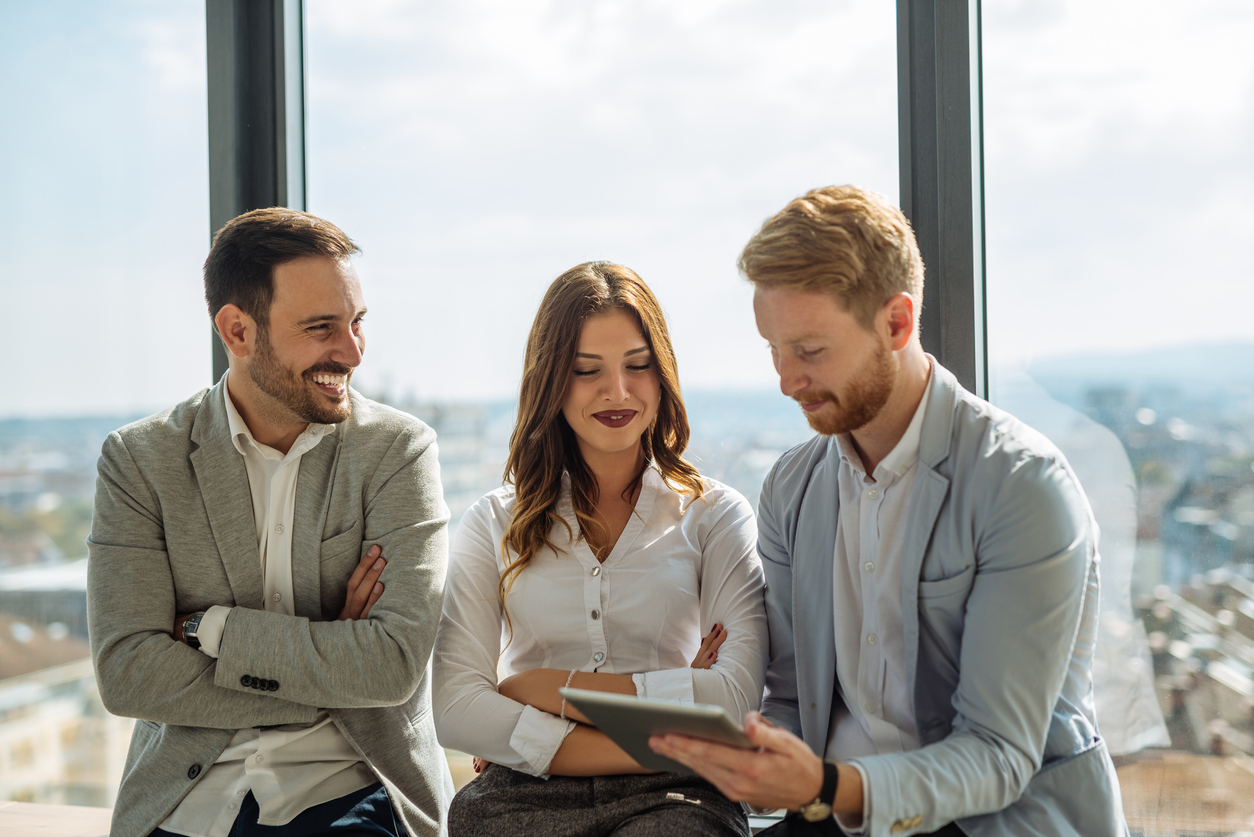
{"x":631,"y":720}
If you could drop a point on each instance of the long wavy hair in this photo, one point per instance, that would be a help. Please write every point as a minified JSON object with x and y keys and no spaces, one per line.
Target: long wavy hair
{"x":543,"y":446}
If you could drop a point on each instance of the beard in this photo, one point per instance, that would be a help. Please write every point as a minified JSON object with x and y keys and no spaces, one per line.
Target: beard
{"x":294,"y":391}
{"x":864,"y":397}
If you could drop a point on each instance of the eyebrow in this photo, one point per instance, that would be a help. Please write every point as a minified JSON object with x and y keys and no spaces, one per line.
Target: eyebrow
{"x":625,"y":354}
{"x":326,"y":318}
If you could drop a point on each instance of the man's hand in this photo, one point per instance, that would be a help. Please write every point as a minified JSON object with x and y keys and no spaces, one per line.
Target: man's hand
{"x":364,"y":588}
{"x":707,"y":654}
{"x":782,"y":773}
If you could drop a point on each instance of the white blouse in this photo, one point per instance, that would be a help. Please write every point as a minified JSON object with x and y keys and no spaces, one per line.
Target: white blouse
{"x":679,"y":567}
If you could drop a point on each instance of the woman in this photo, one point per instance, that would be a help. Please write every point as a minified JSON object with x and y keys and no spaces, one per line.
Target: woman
{"x":600,"y":567}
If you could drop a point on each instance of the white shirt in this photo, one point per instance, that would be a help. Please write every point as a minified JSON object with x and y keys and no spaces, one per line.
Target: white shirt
{"x":291,"y":768}
{"x":679,"y":567}
{"x":878,"y":715}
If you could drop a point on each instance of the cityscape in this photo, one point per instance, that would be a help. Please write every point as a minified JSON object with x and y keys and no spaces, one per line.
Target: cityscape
{"x":1164,"y":446}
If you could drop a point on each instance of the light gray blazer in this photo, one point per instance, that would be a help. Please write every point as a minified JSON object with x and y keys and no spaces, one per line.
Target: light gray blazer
{"x":999,"y":598}
{"x":173,"y":532}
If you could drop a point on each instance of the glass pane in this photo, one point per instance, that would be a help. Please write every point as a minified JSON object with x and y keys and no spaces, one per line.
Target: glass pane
{"x":477,"y":150}
{"x":103,"y":225}
{"x":1118,"y":181}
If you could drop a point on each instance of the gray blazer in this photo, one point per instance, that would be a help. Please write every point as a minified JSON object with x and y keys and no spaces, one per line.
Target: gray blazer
{"x":173,"y":532}
{"x":999,"y":597}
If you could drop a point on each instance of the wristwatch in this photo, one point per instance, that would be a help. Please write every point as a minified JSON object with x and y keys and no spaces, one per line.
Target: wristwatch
{"x":190,"y":627}
{"x":821,"y":808}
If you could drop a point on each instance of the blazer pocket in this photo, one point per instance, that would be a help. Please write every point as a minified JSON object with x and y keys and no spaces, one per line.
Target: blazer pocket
{"x":337,"y":546}
{"x":960,"y":583}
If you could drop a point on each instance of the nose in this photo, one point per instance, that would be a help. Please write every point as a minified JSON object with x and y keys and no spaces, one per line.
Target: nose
{"x":615,"y":387}
{"x":791,"y":379}
{"x":349,"y":347}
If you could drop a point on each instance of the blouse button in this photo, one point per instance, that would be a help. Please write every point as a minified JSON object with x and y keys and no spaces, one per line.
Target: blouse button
{"x":596,"y":571}
{"x":596,"y":614}
{"x":598,"y":656}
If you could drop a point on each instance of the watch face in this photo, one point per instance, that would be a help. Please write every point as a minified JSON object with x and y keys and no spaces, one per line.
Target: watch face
{"x":816,"y":812}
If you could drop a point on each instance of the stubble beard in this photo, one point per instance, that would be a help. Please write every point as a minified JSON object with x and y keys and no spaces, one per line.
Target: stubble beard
{"x":292,"y":390}
{"x":864,"y":397}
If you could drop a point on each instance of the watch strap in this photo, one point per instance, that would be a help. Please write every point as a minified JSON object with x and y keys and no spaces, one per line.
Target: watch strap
{"x":831,"y":779}
{"x":821,"y":807}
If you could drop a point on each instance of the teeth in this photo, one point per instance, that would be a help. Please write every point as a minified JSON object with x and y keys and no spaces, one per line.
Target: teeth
{"x":329,"y":380}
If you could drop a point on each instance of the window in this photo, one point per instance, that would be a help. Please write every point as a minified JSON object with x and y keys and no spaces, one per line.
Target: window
{"x":1118,"y":174}
{"x":103,"y":224}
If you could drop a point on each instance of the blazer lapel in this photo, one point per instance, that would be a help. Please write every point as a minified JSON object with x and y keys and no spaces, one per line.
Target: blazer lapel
{"x":223,"y":482}
{"x":813,"y":612}
{"x":313,"y":498}
{"x":930,"y":490}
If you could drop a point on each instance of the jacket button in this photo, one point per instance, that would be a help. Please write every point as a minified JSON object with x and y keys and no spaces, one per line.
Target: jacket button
{"x":273,"y":686}
{"x":193,"y":771}
{"x":245,"y":680}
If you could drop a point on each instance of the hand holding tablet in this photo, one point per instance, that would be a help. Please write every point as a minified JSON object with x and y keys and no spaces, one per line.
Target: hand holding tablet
{"x":629,"y":721}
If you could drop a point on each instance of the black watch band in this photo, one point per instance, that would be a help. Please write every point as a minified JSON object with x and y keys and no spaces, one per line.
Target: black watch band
{"x":821,"y":807}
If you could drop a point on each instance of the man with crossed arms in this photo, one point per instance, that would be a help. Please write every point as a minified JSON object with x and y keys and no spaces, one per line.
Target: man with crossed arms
{"x":931,"y":567}
{"x":279,"y":677}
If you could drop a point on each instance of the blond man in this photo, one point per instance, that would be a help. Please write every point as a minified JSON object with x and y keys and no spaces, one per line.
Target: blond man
{"x":931,"y":568}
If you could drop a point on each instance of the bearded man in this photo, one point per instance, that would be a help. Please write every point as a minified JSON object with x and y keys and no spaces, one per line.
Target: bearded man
{"x":267,"y":568}
{"x":931,"y":567}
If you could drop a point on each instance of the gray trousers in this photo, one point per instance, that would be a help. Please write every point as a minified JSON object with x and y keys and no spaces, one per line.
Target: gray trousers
{"x":501,"y":801}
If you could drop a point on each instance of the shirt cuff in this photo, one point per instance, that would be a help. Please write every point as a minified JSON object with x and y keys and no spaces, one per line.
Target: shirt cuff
{"x":212,"y":624}
{"x":856,"y":827}
{"x":537,"y":737}
{"x":668,"y":684}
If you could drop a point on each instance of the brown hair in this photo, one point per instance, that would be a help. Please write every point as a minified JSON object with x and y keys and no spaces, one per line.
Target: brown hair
{"x":843,"y":240}
{"x":240,"y":267}
{"x":543,"y":445}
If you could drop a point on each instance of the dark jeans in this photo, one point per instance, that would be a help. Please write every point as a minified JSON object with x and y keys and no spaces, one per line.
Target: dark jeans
{"x":503,"y":802}
{"x":363,"y":813}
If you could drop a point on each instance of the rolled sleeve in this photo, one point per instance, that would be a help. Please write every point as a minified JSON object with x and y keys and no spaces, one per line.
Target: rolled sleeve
{"x":668,"y":684}
{"x":537,"y":737}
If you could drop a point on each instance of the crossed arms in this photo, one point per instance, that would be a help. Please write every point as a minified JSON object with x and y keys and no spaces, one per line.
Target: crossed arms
{"x":133,"y":599}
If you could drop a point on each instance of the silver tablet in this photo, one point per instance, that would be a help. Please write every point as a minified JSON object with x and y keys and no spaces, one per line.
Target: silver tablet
{"x":631,"y":720}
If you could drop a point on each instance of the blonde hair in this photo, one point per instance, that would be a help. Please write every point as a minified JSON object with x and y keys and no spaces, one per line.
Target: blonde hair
{"x":842,"y":240}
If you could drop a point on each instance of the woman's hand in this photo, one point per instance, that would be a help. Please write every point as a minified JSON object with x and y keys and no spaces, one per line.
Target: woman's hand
{"x":707,"y":654}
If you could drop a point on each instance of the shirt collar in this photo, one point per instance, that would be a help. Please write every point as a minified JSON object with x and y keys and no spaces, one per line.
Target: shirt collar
{"x":241,"y":436}
{"x":904,"y":454}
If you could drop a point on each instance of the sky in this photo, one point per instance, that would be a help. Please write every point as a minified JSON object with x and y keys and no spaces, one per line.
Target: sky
{"x":475,"y":150}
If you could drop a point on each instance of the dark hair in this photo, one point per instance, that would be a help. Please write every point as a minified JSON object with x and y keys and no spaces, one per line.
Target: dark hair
{"x":543,"y":445}
{"x":240,"y":267}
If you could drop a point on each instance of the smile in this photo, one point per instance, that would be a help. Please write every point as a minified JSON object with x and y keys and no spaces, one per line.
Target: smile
{"x":811,"y":406}
{"x":332,"y":384}
{"x":615,"y":418}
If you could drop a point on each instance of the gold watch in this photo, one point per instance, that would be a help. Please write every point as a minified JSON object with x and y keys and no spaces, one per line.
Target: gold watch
{"x":821,"y":808}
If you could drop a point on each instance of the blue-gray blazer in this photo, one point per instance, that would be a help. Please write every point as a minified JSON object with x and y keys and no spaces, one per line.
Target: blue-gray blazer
{"x":999,"y":600}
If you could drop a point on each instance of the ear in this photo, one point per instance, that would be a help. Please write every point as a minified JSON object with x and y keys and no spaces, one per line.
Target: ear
{"x":237,"y":330}
{"x":898,"y":316}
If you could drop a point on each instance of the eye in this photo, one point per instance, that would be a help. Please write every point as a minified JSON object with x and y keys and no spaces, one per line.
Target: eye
{"x":641,"y":368}
{"x":808,"y":354}
{"x":584,"y":373}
